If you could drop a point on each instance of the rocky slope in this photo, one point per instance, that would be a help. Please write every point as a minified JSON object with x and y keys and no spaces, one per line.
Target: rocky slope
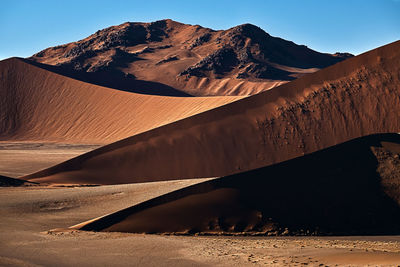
{"x":180,"y":59}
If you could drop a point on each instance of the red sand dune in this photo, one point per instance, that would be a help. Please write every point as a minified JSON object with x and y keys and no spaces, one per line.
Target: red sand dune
{"x":171,"y":58}
{"x":351,"y":99}
{"x":352,"y":188}
{"x":39,"y":105}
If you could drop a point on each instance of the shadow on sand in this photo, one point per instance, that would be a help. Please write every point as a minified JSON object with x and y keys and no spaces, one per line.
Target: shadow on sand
{"x":348,"y":189}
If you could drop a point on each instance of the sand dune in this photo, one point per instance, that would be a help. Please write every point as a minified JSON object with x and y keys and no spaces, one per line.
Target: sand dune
{"x":39,"y":105}
{"x":351,"y":99}
{"x":29,"y":212}
{"x":352,"y":188}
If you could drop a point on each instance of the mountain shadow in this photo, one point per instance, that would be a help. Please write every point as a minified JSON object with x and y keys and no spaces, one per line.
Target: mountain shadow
{"x":115,"y":79}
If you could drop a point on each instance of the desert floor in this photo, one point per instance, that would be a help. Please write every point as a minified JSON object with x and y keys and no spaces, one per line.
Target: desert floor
{"x":21,"y":158}
{"x":28,"y":213}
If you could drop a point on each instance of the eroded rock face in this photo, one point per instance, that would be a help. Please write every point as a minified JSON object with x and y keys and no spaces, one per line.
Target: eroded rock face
{"x":219,"y":62}
{"x":127,"y":34}
{"x":253,"y":52}
{"x":171,"y":53}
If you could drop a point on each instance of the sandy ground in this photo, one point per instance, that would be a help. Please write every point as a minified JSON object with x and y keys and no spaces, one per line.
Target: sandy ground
{"x":19,"y":158}
{"x":29,"y":212}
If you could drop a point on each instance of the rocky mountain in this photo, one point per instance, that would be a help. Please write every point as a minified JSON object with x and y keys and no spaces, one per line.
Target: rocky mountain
{"x":170,"y":58}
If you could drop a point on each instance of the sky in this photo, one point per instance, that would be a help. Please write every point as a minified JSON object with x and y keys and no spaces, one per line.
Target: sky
{"x":355,"y":26}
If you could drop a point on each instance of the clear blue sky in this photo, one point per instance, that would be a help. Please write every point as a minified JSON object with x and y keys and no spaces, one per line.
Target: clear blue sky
{"x":28,"y":26}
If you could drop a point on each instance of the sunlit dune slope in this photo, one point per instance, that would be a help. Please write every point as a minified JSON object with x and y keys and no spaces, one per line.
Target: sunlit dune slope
{"x":354,"y":98}
{"x":351,"y":188}
{"x":39,"y":105}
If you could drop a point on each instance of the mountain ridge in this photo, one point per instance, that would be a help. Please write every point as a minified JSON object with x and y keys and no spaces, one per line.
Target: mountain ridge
{"x":184,"y":56}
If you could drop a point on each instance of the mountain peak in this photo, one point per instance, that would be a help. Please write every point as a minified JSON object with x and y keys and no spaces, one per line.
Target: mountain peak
{"x":248,"y":29}
{"x":173,"y":53}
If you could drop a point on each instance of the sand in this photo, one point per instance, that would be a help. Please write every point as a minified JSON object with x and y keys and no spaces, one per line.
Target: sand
{"x":349,"y":189}
{"x":281,"y":171}
{"x":38,"y":105}
{"x":21,"y":158}
{"x":6,"y":181}
{"x":351,"y":99}
{"x":29,"y":212}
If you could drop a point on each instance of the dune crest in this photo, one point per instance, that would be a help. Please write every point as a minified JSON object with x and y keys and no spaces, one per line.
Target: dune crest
{"x":352,"y":188}
{"x":39,"y":105}
{"x":351,"y":99}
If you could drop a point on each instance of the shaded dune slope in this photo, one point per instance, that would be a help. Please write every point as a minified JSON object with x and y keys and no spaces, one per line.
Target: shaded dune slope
{"x":351,"y":188}
{"x":192,"y":86}
{"x":7,"y":181}
{"x":39,"y":105}
{"x":354,"y":98}
{"x":114,"y":80}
